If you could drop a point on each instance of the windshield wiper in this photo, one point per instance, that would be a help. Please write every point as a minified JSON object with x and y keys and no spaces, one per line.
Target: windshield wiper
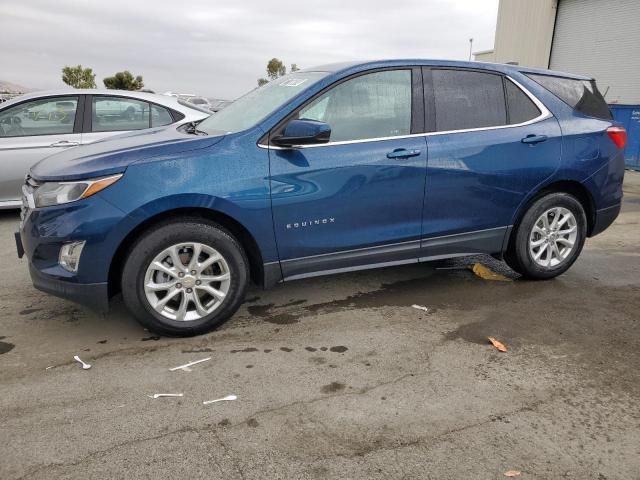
{"x":192,"y":129}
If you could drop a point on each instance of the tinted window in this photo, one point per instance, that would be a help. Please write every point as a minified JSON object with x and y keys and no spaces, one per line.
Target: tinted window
{"x":582,"y":95}
{"x":119,"y":114}
{"x":521,"y":107}
{"x":369,"y":106}
{"x":466,"y":99}
{"x":160,"y":116}
{"x":47,"y":116}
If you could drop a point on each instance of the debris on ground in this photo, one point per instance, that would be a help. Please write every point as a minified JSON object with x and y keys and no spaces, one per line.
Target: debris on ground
{"x":85,"y":366}
{"x":486,"y":273}
{"x":50,"y":367}
{"x":512,"y":473}
{"x":228,"y":398}
{"x":496,"y":343}
{"x":186,"y":366}
{"x":420,"y":307}
{"x":159,"y":395}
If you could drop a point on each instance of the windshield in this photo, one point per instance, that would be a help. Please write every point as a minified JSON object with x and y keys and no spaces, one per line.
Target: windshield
{"x":249,"y":109}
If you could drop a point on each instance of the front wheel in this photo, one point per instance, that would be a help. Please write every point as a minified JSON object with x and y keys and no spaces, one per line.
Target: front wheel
{"x":549,"y":238}
{"x":185,"y":278}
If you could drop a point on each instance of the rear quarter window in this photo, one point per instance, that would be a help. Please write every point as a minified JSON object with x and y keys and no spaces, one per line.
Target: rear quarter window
{"x":519,"y":106}
{"x":581,"y":95}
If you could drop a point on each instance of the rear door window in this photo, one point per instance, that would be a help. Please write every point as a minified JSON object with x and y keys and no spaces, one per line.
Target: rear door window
{"x":45,"y":116}
{"x":118,"y":114}
{"x":160,"y":116}
{"x":581,"y":95}
{"x":468,"y":99}
{"x":520,"y":107}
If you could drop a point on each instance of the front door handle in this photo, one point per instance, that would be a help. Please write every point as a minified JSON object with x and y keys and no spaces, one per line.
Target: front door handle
{"x":64,"y":143}
{"x":403,"y":153}
{"x":533,"y":139}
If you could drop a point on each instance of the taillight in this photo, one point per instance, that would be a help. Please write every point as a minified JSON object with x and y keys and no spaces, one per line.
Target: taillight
{"x":618,"y":135}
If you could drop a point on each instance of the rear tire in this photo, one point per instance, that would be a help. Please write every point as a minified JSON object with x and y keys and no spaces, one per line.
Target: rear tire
{"x":185,"y":277}
{"x":549,"y":238}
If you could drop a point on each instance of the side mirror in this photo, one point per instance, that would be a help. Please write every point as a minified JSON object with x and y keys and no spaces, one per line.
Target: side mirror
{"x":303,"y":132}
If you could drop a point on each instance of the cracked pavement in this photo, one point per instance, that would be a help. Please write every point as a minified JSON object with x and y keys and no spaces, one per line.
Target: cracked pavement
{"x":339,"y":377}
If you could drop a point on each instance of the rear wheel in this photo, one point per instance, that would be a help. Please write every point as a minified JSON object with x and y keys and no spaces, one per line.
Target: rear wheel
{"x":185,"y":278}
{"x":549,"y":238}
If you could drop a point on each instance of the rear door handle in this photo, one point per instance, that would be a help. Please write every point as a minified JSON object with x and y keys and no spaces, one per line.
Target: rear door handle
{"x":533,"y":139}
{"x":64,"y":143}
{"x":403,"y":153}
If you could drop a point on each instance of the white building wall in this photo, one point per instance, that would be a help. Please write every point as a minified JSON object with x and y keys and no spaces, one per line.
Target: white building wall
{"x":600,"y":38}
{"x":524,"y":31}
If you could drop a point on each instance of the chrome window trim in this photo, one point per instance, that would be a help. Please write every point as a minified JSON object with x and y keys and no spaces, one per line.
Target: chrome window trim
{"x":544,"y":114}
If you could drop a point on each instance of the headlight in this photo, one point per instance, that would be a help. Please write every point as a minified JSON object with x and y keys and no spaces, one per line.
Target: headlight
{"x":56,"y":193}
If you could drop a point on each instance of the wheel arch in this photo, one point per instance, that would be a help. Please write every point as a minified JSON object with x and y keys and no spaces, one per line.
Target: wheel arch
{"x":239,"y":231}
{"x":571,"y":187}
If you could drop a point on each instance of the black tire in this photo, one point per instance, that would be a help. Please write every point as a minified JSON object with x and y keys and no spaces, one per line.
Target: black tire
{"x":518,"y":255}
{"x":163,"y":236}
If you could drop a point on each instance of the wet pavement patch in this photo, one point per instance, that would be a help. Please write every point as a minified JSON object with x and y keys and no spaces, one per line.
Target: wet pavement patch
{"x":6,"y":347}
{"x":338,"y":349}
{"x":102,"y":341}
{"x":27,"y":311}
{"x":260,"y":310}
{"x":333,"y":387}
{"x":244,"y":350}
{"x":436,"y":280}
{"x":253,"y":423}
{"x":286,"y":349}
{"x":283,"y":319}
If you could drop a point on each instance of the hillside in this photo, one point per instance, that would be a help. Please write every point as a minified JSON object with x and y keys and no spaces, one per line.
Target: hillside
{"x":8,"y":87}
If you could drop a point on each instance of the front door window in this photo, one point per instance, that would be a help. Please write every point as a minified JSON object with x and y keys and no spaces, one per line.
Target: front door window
{"x":375,"y":105}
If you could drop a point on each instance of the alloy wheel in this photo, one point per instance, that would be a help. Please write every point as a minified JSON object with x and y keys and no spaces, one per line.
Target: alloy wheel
{"x":553,"y":237}
{"x":187,"y":281}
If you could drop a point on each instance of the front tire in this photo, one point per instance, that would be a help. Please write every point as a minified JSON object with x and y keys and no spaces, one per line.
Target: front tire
{"x":549,"y":238}
{"x":185,"y":277}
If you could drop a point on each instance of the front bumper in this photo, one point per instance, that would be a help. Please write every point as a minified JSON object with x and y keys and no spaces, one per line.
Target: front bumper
{"x":44,"y":231}
{"x":93,"y":295}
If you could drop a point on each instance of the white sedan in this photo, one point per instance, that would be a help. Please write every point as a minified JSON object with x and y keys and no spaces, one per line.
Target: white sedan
{"x":39,"y":124}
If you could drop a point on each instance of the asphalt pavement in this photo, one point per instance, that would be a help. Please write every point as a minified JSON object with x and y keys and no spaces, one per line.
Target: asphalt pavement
{"x":339,"y":377}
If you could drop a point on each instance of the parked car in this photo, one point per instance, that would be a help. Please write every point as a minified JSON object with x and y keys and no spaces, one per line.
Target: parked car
{"x":37,"y":125}
{"x":217,"y":104}
{"x":200,"y":101}
{"x":327,"y":170}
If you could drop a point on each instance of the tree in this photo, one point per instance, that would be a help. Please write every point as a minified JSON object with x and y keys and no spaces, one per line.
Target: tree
{"x":79,"y":77}
{"x":275,"y":68}
{"x":124,"y":81}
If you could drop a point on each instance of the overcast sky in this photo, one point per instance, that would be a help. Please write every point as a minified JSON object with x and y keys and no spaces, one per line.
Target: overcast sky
{"x":219,"y":49}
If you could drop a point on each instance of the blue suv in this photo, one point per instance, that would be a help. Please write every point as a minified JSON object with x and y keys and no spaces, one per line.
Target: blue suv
{"x":330,"y":169}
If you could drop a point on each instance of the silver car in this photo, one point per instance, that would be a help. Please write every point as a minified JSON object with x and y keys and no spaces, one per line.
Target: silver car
{"x":37,"y":125}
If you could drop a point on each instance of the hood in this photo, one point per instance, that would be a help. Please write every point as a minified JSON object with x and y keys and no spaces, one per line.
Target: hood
{"x":114,"y":154}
